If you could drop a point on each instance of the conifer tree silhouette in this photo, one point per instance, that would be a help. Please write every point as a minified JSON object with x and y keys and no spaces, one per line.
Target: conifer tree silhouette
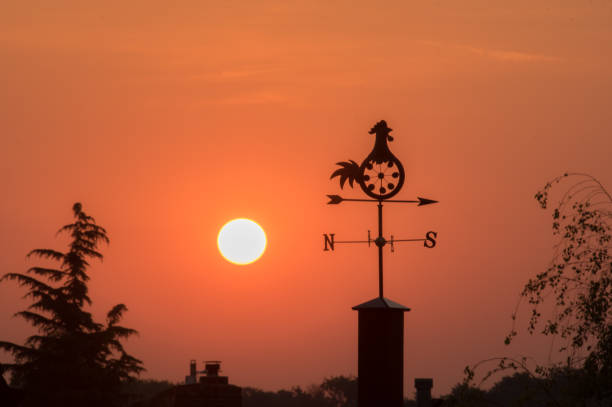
{"x":73,"y":360}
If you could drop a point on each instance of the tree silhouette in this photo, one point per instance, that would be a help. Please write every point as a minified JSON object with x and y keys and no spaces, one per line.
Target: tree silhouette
{"x":465,"y":395}
{"x":577,"y":284}
{"x":73,"y":360}
{"x":579,"y":279}
{"x":340,"y":390}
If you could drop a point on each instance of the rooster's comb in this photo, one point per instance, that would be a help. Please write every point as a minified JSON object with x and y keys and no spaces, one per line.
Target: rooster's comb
{"x":380,"y":127}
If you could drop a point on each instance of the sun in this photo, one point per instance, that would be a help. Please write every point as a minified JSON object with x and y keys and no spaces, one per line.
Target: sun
{"x":241,"y":241}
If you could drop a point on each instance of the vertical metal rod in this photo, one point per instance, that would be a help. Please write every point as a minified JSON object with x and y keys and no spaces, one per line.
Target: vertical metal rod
{"x":380,"y":251}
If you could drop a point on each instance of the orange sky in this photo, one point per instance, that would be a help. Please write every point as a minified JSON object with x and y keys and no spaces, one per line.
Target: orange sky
{"x":166,"y":121}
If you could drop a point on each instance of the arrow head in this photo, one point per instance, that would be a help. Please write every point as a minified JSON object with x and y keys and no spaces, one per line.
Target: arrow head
{"x":425,"y":201}
{"x":334,"y":199}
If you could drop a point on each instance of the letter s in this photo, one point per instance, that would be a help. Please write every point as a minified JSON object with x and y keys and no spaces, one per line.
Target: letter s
{"x":430,"y":239}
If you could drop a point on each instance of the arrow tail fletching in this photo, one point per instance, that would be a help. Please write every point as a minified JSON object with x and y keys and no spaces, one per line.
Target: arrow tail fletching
{"x":334,"y":199}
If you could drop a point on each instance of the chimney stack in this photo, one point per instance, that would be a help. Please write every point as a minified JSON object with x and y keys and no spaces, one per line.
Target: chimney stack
{"x":423,"y":394}
{"x":192,"y":378}
{"x":212,"y":368}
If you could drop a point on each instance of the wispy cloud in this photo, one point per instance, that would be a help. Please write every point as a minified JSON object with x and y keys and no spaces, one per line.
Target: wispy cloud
{"x":501,"y":55}
{"x":234,"y":75}
{"x":254,"y":98}
{"x":514,"y":56}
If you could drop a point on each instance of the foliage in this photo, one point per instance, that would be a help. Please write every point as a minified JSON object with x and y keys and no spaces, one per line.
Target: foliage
{"x":466,"y":395}
{"x":526,"y":390}
{"x":521,"y":389}
{"x":296,"y":397}
{"x":337,"y":391}
{"x":73,"y":360}
{"x":9,"y":397}
{"x":579,"y":277}
{"x":142,"y":391}
{"x":578,"y":285}
{"x":341,"y":390}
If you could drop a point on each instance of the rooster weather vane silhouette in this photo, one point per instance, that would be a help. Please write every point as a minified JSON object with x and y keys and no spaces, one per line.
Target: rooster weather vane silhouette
{"x":380,"y":176}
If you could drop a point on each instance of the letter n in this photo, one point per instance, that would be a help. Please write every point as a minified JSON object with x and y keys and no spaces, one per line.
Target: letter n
{"x":329,"y":241}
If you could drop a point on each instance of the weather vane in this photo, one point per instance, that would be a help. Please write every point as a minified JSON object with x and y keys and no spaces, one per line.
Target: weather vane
{"x":380,"y":176}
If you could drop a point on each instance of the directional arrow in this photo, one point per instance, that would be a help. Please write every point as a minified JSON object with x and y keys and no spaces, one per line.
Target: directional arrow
{"x":336,"y":199}
{"x":425,"y":201}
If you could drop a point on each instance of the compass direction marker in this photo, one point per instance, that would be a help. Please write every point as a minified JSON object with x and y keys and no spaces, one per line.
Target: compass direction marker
{"x":329,"y":241}
{"x":381,"y":321}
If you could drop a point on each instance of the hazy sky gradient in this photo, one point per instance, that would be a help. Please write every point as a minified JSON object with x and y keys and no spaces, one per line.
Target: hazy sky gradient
{"x":166,"y":121}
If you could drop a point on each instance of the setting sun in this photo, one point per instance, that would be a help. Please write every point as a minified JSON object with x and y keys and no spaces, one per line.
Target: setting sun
{"x":241,"y":241}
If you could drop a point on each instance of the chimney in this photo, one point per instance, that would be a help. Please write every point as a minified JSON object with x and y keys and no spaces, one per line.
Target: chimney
{"x":192,"y":378}
{"x":212,"y":368}
{"x":423,"y":394}
{"x":380,"y":353}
